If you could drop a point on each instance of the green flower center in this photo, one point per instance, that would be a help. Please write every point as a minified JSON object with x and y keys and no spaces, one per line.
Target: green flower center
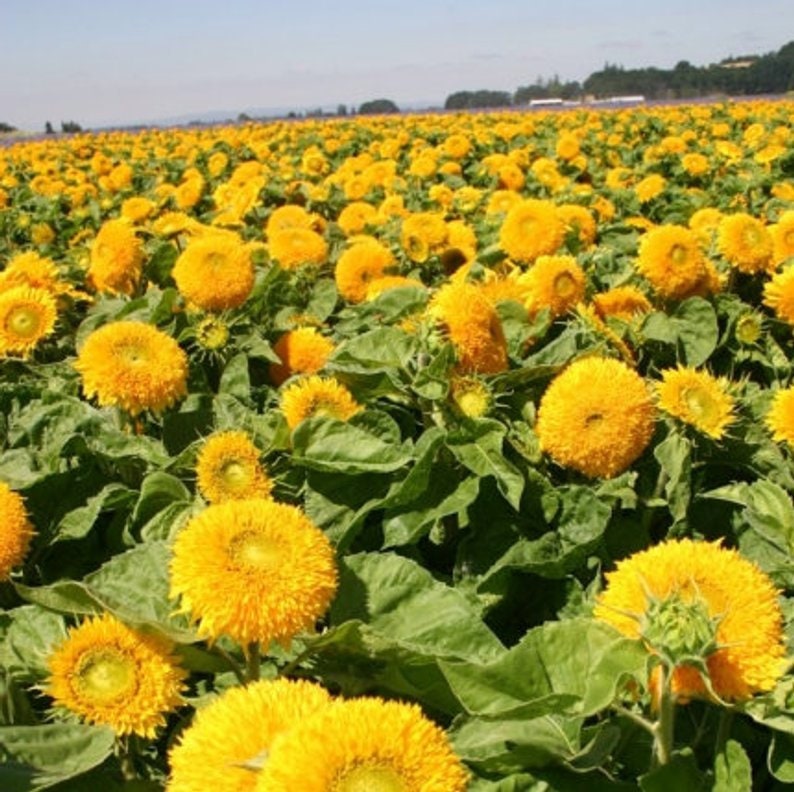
{"x":105,"y":674}
{"x":23,"y":322}
{"x":678,"y":254}
{"x":371,"y":778}
{"x":564,"y":285}
{"x":235,"y":475}
{"x":255,"y":551}
{"x":700,"y":404}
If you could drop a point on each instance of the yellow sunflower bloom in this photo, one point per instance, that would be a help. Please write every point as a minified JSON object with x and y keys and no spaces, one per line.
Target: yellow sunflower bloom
{"x":650,"y":187}
{"x":238,"y":728}
{"x":670,"y":257}
{"x":228,"y":468}
{"x":133,"y":366}
{"x":215,"y":272}
{"x":470,"y":396}
{"x":698,"y":399}
{"x":16,"y":530}
{"x":622,"y":302}
{"x":292,"y":247}
{"x":554,"y":282}
{"x":469,"y":319}
{"x":779,"y":294}
{"x":254,"y":570}
{"x":746,"y":243}
{"x":38,"y":272}
{"x":26,"y":317}
{"x":783,"y":238}
{"x":780,"y":418}
{"x":112,"y":675}
{"x":322,"y":396}
{"x":596,"y":417}
{"x":580,"y":221}
{"x":364,"y":261}
{"x":378,"y":745}
{"x":688,"y":583}
{"x":116,"y":259}
{"x":302,"y":351}
{"x":286,"y":217}
{"x":530,"y":229}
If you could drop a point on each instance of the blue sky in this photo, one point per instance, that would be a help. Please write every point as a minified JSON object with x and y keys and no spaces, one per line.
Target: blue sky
{"x":104,"y":62}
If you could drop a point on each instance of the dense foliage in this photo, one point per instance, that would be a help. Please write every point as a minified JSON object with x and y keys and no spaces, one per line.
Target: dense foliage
{"x":488,"y":414}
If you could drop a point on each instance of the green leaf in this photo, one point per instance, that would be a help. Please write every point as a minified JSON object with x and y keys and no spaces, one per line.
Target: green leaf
{"x":339,"y":447}
{"x":732,"y":770}
{"x":38,"y":757}
{"x":28,"y":634}
{"x":447,"y":496}
{"x":79,"y":522}
{"x":674,"y":456}
{"x":691,"y":328}
{"x":505,"y":746}
{"x":377,"y":350}
{"x":235,"y":380}
{"x":478,"y":446}
{"x":132,"y":585}
{"x":680,"y":774}
{"x":158,"y":491}
{"x":780,"y":758}
{"x":574,"y":667}
{"x":581,"y":523}
{"x":765,"y":527}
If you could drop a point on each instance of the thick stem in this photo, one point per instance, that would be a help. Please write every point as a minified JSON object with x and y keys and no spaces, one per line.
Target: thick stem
{"x":665,"y":723}
{"x":125,"y":751}
{"x":233,"y":664}
{"x":723,"y":730}
{"x":253,"y":660}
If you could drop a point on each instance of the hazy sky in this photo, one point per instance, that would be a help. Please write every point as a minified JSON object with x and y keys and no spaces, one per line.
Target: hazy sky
{"x":120,"y":61}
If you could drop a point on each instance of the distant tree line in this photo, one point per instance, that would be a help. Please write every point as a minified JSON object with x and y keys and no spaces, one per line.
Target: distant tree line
{"x":743,"y":76}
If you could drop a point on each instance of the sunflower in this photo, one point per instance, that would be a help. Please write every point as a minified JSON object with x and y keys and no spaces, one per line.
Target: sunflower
{"x":746,"y":243}
{"x":212,"y":333}
{"x":357,"y":216}
{"x":422,"y":234}
{"x":254,"y":570}
{"x":27,"y":316}
{"x":553,"y":282}
{"x":470,"y":396}
{"x":215,"y":272}
{"x":470,"y":321}
{"x":133,"y":366}
{"x":292,"y":247}
{"x":596,"y":417}
{"x":112,"y":675}
{"x":137,"y":209}
{"x":650,"y":187}
{"x":697,"y":598}
{"x":116,"y":259}
{"x":286,"y":217}
{"x":301,"y":351}
{"x":380,"y":285}
{"x":670,"y":258}
{"x":698,"y":399}
{"x":530,"y":229}
{"x":313,"y":396}
{"x":16,"y":530}
{"x":380,"y":745}
{"x":780,"y":418}
{"x":579,"y":221}
{"x":364,"y":261}
{"x":779,"y":294}
{"x":38,"y":272}
{"x":622,"y":302}
{"x":238,"y":728}
{"x":783,"y":238}
{"x":228,"y":468}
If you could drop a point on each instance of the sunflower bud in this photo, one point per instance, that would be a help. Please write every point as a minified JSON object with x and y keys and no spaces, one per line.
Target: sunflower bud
{"x":682,"y":633}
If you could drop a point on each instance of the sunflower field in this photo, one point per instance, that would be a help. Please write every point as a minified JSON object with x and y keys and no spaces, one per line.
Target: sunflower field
{"x":400,"y":454}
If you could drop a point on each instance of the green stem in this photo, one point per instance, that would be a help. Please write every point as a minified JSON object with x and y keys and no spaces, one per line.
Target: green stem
{"x":665,"y":723}
{"x":295,"y":662}
{"x":125,"y":750}
{"x":661,"y":483}
{"x":723,"y":730}
{"x":253,"y":660}
{"x":233,"y":664}
{"x":643,"y":723}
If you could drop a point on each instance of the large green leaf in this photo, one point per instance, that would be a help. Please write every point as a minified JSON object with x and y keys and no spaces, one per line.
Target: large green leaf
{"x":38,"y":757}
{"x":691,"y":329}
{"x":27,"y":636}
{"x":132,"y":585}
{"x":732,"y":770}
{"x":339,"y":447}
{"x":576,"y":666}
{"x":478,"y":445}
